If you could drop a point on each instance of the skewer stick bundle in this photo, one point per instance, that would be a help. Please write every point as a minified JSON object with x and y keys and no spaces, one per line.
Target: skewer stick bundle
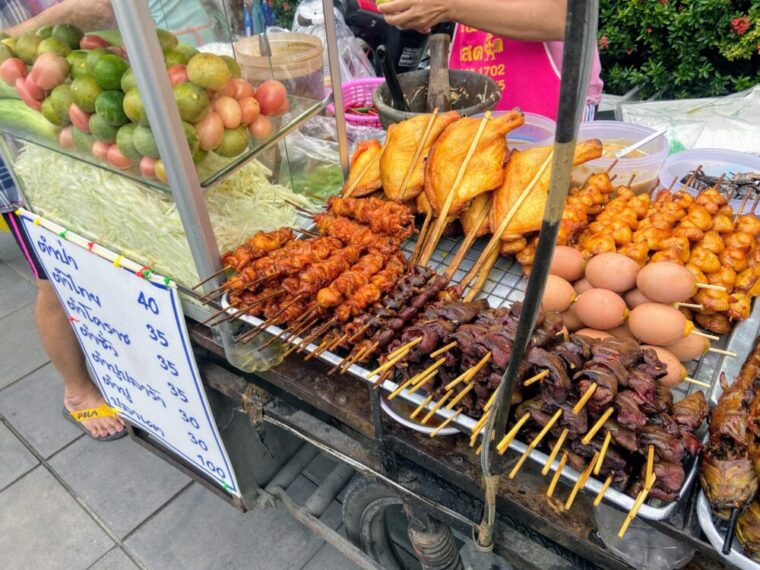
{"x":210,"y":277}
{"x":483,"y":276}
{"x":493,"y":243}
{"x":478,"y":428}
{"x":411,"y":344}
{"x":389,"y":363}
{"x":555,"y":451}
{"x":536,"y":440}
{"x":596,"y":427}
{"x":445,"y":423}
{"x":421,"y":383}
{"x":459,"y":396}
{"x":469,"y":239}
{"x":467,"y":375}
{"x":440,"y":222}
{"x":421,"y":407}
{"x":401,"y":387}
{"x":581,"y":482}
{"x":421,"y":237}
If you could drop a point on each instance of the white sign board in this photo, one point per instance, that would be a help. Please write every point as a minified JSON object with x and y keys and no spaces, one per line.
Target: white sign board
{"x":133,"y":334}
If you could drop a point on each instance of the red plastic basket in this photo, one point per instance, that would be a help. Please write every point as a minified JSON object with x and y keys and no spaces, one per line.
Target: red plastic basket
{"x":359,"y":91}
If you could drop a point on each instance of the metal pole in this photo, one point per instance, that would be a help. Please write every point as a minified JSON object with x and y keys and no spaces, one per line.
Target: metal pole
{"x":139,"y":36}
{"x":580,"y":34}
{"x":333,"y":57}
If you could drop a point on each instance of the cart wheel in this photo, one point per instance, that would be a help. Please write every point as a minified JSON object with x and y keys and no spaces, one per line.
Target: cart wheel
{"x":375,"y":522}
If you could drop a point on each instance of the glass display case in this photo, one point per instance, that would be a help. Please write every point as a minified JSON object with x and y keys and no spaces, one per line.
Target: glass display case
{"x":153,"y":128}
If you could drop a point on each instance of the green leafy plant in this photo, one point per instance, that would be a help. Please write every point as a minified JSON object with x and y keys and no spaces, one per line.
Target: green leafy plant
{"x":680,"y":49}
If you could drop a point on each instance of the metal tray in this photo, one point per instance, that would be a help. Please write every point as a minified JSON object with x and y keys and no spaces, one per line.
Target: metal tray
{"x":504,"y":285}
{"x":742,"y":342}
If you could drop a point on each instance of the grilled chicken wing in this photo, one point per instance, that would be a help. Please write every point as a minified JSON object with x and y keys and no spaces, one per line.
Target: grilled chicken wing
{"x":365,"y":163}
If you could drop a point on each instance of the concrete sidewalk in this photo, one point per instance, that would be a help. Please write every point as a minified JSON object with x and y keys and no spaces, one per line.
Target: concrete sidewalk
{"x":69,"y":502}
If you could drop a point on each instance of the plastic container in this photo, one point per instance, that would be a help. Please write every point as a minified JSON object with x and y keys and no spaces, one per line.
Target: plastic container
{"x":537,"y":131}
{"x":359,"y":92}
{"x":296,"y":61}
{"x":646,"y":168}
{"x":642,"y":546}
{"x":714,"y":162}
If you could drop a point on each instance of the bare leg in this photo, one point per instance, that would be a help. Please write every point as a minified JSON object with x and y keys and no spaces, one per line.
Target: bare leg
{"x":64,"y":351}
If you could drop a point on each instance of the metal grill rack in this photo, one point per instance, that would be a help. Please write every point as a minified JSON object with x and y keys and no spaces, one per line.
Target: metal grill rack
{"x":504,"y":285}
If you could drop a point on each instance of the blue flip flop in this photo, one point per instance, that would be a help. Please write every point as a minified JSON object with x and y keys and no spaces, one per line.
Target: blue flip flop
{"x":93,"y":413}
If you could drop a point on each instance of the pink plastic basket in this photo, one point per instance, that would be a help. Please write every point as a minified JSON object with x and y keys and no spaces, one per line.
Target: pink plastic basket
{"x":359,"y":91}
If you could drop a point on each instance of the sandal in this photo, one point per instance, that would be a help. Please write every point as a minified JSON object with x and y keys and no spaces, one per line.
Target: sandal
{"x":83,"y":415}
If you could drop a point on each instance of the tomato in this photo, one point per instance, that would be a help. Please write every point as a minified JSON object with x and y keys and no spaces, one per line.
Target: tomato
{"x":117,"y":158}
{"x":26,"y":97}
{"x":271,"y":96}
{"x":261,"y":128}
{"x":80,"y":119}
{"x":243,"y":89}
{"x":148,"y":166}
{"x":64,"y":138}
{"x":100,"y":149}
{"x":92,"y":42}
{"x":284,"y":108}
{"x":177,"y":74}
{"x":229,"y":89}
{"x":11,"y":69}
{"x":249,"y":109}
{"x":33,"y":89}
{"x":49,"y":71}
{"x":229,"y":111}
{"x":210,"y":131}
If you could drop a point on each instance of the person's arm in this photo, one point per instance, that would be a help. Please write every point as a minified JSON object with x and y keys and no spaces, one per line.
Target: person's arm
{"x":85,"y":14}
{"x":538,"y":20}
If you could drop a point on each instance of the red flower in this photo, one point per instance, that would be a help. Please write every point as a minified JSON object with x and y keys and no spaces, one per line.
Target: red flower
{"x":629,"y":51}
{"x":649,"y":30}
{"x":740,"y":25}
{"x":603,"y":42}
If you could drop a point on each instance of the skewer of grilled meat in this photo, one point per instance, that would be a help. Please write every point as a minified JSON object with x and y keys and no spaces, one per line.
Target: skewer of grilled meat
{"x":256,"y":247}
{"x":382,"y":216}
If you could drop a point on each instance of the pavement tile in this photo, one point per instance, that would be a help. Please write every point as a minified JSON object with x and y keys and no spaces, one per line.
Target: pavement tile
{"x":198,"y":530}
{"x":16,"y":458}
{"x":330,"y":558}
{"x":319,"y":468}
{"x":42,"y":526}
{"x":22,"y":350}
{"x":114,"y":560}
{"x":33,"y":406}
{"x":15,"y":291}
{"x":119,"y":480}
{"x":9,"y":249}
{"x":21,"y":266}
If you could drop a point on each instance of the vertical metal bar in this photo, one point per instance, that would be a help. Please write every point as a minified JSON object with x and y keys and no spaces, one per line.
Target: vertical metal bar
{"x":139,"y":35}
{"x":333,"y":57}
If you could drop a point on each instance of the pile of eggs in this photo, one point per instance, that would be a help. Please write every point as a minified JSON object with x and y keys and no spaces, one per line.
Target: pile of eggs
{"x":610,"y":296}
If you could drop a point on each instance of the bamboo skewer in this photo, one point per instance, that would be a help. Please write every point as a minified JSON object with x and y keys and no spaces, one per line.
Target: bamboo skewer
{"x":581,"y":482}
{"x":469,"y":239}
{"x":708,"y":286}
{"x":483,"y":276}
{"x":721,"y":351}
{"x":440,"y":222}
{"x":585,"y":398}
{"x":478,"y":428}
{"x":537,"y":378}
{"x":411,"y":344}
{"x":511,"y":434}
{"x":490,"y":402}
{"x":422,"y":381}
{"x":467,"y":375}
{"x":382,"y":378}
{"x":350,"y":190}
{"x":417,"y":153}
{"x":443,"y":349}
{"x":421,"y":237}
{"x":429,"y":370}
{"x":705,"y":335}
{"x":650,"y":463}
{"x":688,"y":306}
{"x":697,"y":382}
{"x":555,"y":451}
{"x":445,"y":423}
{"x":536,"y":441}
{"x":421,"y":407}
{"x":496,"y":237}
{"x":400,"y":388}
{"x":557,"y":474}
{"x":437,"y":407}
{"x":388,"y":363}
{"x":210,"y":277}
{"x":602,"y":491}
{"x":740,"y":211}
{"x":458,"y":398}
{"x":603,"y":452}
{"x":596,"y":427}
{"x":636,"y":506}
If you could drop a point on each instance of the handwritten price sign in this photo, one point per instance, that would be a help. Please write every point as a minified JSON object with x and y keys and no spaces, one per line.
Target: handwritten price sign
{"x":134,"y":337}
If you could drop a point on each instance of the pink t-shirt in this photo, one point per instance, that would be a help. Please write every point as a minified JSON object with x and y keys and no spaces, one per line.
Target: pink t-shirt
{"x":528,"y":73}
